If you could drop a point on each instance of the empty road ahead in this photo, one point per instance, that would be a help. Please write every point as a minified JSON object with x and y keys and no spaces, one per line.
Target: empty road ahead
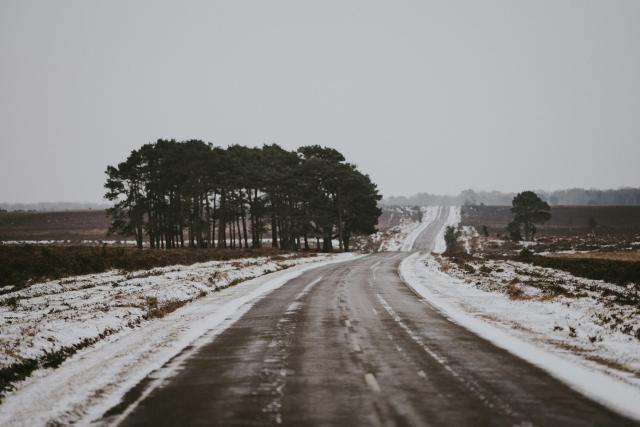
{"x":351,"y":344}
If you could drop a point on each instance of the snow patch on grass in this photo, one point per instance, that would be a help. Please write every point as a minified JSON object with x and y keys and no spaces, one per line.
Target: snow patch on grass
{"x":393,"y":239}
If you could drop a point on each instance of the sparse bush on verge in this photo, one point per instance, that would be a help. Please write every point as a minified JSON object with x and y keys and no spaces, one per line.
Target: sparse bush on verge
{"x":22,"y":264}
{"x":451,"y":236}
{"x":51,"y":359}
{"x":158,"y":311}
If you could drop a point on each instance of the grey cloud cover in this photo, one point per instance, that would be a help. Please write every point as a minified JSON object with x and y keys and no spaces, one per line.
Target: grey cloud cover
{"x":422,"y":95}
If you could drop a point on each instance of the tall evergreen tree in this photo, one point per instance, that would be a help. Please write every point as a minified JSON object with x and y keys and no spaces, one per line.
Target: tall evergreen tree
{"x":529,"y":209}
{"x":194,"y":194}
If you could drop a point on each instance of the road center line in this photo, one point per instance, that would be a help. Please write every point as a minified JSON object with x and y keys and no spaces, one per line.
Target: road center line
{"x":307,"y":288}
{"x":468,"y":383}
{"x":413,"y":335}
{"x":371,"y":381}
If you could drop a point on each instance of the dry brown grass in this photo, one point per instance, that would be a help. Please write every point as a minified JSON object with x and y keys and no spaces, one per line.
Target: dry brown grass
{"x":586,"y":353}
{"x":515,"y":292}
{"x":23,"y":264}
{"x":631,"y":256}
{"x":445,"y":265}
{"x":156,"y":310}
{"x":68,"y":225}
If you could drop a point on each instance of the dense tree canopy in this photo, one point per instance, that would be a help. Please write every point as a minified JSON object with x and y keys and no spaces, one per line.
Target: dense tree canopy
{"x":194,"y":194}
{"x":528,"y":209}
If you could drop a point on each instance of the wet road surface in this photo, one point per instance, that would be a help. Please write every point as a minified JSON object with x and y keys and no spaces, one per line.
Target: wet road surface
{"x":426,"y":241}
{"x":351,"y":344}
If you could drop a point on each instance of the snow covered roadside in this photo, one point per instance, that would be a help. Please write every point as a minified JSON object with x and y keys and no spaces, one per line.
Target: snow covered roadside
{"x":452,"y":220}
{"x":541,"y":331}
{"x":402,"y":236}
{"x":394,"y":238}
{"x":429,"y":214}
{"x":94,"y":379}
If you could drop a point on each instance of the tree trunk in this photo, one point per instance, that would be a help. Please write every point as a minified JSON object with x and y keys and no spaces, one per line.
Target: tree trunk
{"x":274,"y":231}
{"x":340,"y":233}
{"x":244,"y":227}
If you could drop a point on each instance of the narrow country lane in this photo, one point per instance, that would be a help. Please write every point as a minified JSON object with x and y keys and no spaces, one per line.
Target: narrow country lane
{"x":426,"y":241}
{"x":351,"y":344}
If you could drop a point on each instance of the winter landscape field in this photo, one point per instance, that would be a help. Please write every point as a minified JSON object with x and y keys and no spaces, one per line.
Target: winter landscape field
{"x":94,"y":348}
{"x":329,"y":213}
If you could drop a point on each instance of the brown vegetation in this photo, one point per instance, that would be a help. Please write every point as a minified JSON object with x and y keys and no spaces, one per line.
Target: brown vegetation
{"x":613,"y":271}
{"x":565,"y":220}
{"x":23,"y":264}
{"x":71,"y":225}
{"x":629,"y":256}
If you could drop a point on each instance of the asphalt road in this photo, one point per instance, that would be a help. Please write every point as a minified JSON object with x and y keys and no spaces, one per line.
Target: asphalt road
{"x":426,"y":241}
{"x":350,"y":344}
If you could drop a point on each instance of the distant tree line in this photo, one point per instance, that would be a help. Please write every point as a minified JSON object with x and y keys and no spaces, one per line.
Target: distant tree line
{"x":193,"y":194}
{"x":571,"y":197}
{"x":51,"y":206}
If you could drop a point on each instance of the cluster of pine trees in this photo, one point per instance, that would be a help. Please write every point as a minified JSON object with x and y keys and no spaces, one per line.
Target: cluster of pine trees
{"x":194,"y":194}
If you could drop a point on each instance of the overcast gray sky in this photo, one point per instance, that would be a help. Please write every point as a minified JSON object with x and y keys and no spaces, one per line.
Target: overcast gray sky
{"x":422,"y":95}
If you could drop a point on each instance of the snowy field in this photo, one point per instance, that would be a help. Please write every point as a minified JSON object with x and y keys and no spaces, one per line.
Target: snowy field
{"x":94,"y":337}
{"x":134,"y":323}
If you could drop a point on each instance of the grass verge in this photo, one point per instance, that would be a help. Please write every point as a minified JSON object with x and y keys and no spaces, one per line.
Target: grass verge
{"x":613,"y":271}
{"x":51,"y":359}
{"x":21,"y":265}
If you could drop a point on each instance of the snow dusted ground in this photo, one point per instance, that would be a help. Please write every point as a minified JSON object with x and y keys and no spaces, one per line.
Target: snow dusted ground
{"x":393,"y":239}
{"x":584,"y":332}
{"x":555,"y":334}
{"x":429,"y":214}
{"x":127,"y":316}
{"x":396,"y":237}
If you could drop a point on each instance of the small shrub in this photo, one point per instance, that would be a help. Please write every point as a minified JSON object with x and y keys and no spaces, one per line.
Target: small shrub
{"x":53,"y":359}
{"x":11,"y":302}
{"x":468,"y":268}
{"x":159,"y":311}
{"x":16,"y":372}
{"x":152,"y":302}
{"x":525,"y":255}
{"x":485,"y":269}
{"x":451,"y":236}
{"x":514,"y":292}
